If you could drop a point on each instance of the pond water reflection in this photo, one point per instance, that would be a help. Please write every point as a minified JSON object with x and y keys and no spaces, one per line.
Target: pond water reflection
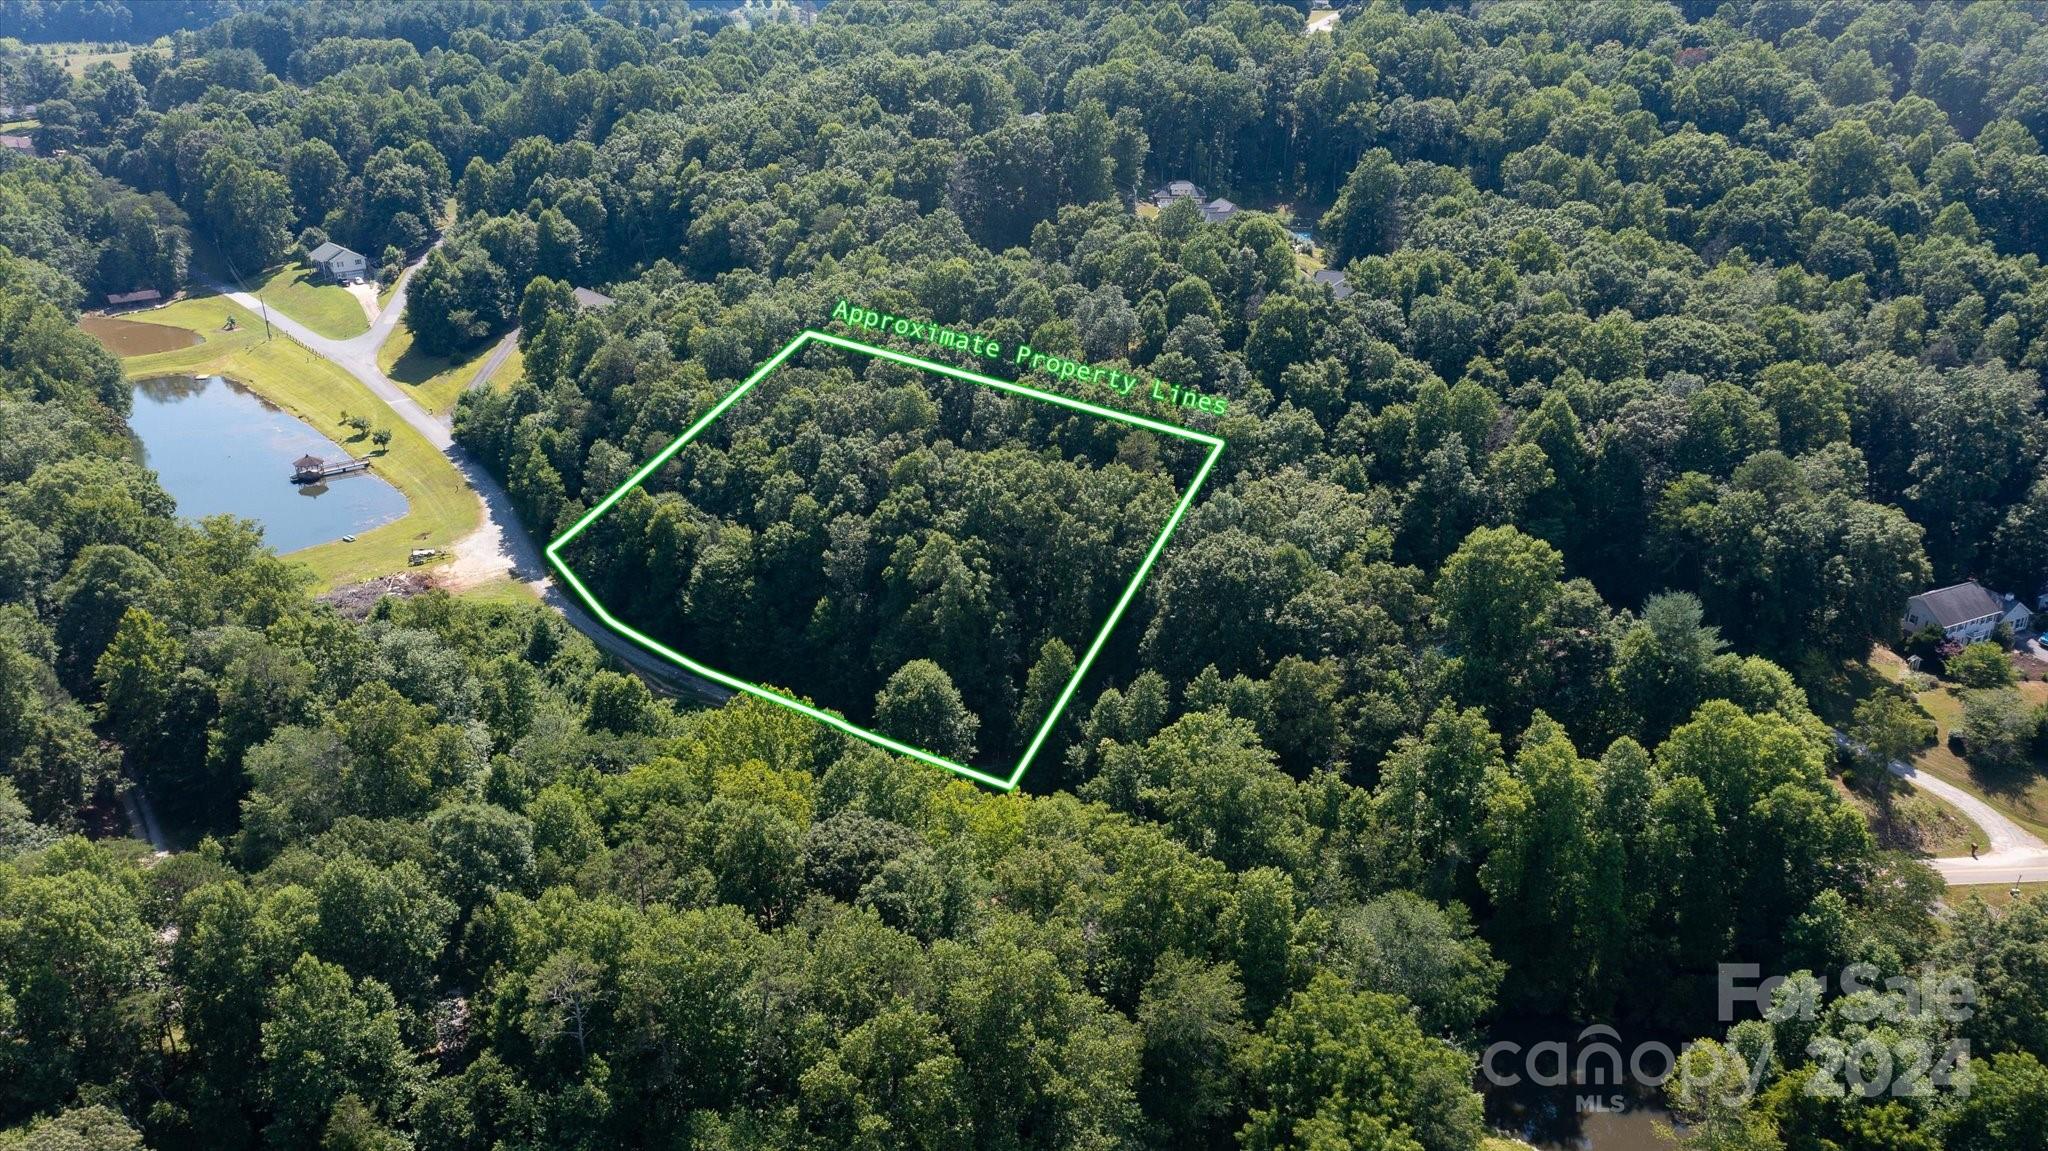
{"x":217,"y":447}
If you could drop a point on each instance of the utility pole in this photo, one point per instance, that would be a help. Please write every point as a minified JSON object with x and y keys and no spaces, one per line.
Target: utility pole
{"x":262,"y":305}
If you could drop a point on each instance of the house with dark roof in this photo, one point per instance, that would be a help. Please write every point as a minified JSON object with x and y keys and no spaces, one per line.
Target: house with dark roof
{"x":340,"y":264}
{"x":1965,"y":612}
{"x":139,"y":296}
{"x":1335,"y":279}
{"x":1218,"y":210}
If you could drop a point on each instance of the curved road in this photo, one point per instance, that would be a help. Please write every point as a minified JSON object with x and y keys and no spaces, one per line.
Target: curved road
{"x":505,"y":535}
{"x":2013,"y":855}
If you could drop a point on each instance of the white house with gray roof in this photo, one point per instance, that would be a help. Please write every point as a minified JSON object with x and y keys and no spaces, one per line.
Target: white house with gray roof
{"x":1965,"y":612}
{"x":340,"y":264}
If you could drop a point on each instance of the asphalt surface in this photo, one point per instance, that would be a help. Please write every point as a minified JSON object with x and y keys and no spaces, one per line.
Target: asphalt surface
{"x":2013,"y":855}
{"x":499,"y":355}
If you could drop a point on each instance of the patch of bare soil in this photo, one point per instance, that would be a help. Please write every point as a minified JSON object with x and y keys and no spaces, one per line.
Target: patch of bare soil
{"x":357,"y":600}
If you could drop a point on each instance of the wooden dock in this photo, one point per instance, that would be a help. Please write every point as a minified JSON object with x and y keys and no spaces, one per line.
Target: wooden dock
{"x":313,"y":469}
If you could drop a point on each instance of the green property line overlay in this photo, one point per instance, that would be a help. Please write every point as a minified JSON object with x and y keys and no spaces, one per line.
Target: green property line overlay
{"x":1066,"y":696}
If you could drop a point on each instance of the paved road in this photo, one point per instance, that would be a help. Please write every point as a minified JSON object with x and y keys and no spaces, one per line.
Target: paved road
{"x":358,"y":357}
{"x":2013,"y":855}
{"x":499,"y":355}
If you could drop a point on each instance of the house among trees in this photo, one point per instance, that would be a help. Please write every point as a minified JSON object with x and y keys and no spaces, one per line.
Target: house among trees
{"x":22,"y":144}
{"x":1218,"y":210}
{"x":1965,"y":612}
{"x":139,"y":296}
{"x":1164,"y":195}
{"x":589,"y":301}
{"x":340,"y":264}
{"x":1335,"y":279}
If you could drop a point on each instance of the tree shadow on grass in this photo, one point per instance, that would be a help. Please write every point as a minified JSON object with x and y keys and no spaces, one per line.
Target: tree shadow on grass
{"x":416,"y":367}
{"x":2021,"y":785}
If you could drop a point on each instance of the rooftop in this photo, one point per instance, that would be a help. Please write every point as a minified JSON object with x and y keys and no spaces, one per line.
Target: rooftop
{"x":327,"y":251}
{"x":1949,"y":606}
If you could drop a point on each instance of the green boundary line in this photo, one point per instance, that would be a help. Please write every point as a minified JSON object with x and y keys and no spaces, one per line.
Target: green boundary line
{"x":1066,"y":696}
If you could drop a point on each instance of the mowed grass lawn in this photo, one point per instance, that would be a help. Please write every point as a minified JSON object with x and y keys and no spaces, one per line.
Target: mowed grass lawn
{"x":438,"y":381}
{"x":326,"y":308}
{"x":2000,"y":894}
{"x":2020,"y":795}
{"x":76,"y":56}
{"x":442,"y":510}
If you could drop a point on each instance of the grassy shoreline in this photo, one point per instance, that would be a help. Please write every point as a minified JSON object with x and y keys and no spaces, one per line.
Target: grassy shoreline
{"x":440,"y":507}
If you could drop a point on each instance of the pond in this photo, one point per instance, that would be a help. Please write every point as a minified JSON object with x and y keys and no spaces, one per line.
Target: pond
{"x":1549,"y":1084}
{"x":135,"y":338}
{"x":1572,"y":1127}
{"x":217,"y":448}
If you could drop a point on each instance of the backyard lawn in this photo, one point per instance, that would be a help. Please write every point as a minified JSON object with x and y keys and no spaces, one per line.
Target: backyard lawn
{"x":326,"y":308}
{"x":443,"y":509}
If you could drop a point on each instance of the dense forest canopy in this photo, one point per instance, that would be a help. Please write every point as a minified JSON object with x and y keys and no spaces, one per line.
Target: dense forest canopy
{"x":1679,"y":343}
{"x":135,"y":21}
{"x":853,"y":520}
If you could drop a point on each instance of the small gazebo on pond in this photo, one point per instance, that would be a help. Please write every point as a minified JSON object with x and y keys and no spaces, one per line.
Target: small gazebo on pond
{"x":308,"y":469}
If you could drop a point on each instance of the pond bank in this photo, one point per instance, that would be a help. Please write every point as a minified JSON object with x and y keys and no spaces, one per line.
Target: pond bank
{"x":220,"y":449}
{"x":442,"y":509}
